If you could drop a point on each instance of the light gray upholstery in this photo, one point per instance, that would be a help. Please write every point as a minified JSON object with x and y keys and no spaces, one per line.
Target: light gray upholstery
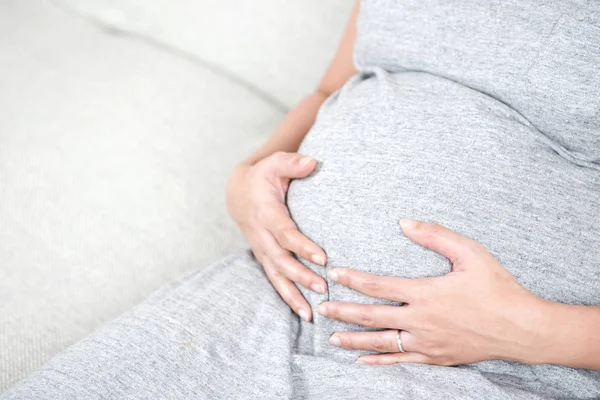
{"x":119,"y":123}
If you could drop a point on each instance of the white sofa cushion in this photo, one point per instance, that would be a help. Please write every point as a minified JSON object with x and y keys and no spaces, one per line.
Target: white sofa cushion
{"x":281,"y":47}
{"x":119,"y":123}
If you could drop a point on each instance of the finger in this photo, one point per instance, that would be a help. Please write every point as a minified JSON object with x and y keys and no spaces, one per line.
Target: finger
{"x":291,"y":268}
{"x":289,"y":165}
{"x":383,"y":287}
{"x":369,"y":315}
{"x":289,"y":237}
{"x":380,"y":341}
{"x":442,"y":240}
{"x":394,"y":358}
{"x":289,"y":293}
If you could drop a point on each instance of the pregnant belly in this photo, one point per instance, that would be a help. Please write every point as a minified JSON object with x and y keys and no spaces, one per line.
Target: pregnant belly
{"x":413,"y":145}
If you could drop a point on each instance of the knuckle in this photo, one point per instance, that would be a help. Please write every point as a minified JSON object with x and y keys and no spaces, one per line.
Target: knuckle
{"x":435,"y":351}
{"x":279,"y":265}
{"x":259,"y":255}
{"x":446,"y":361}
{"x":425,"y":291}
{"x":263,"y":214}
{"x":281,"y":157}
{"x":278,"y":155}
{"x":297,"y":276}
{"x":343,"y":279}
{"x":286,"y":292}
{"x":427,"y":328}
{"x":262,"y":167}
{"x":333,"y":312}
{"x":365,"y":318}
{"x":276,"y":277}
{"x":380,"y":344}
{"x":257,"y":250}
{"x":276,"y":281}
{"x":279,"y":215}
{"x":285,"y":237}
{"x":297,"y":303}
{"x":429,"y":346}
{"x":290,"y":269}
{"x":475,"y":247}
{"x":433,"y":230}
{"x":420,"y":296}
{"x":418,"y":340}
{"x":346,"y":342}
{"x":371,"y":285}
{"x":439,"y":357}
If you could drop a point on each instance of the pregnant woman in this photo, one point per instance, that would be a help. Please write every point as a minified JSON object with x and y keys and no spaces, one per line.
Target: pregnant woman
{"x":481,"y":118}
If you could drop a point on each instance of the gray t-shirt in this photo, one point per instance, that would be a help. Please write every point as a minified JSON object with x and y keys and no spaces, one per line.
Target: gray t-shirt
{"x":481,"y":115}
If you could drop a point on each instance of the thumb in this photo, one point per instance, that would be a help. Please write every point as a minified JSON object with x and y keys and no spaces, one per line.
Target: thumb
{"x":450,"y":244}
{"x":291,"y":165}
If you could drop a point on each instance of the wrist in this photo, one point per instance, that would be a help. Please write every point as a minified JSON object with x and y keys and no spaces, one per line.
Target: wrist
{"x":554,"y":334}
{"x":233,"y":185}
{"x":531,"y":332}
{"x":541,"y":339}
{"x":569,"y":336}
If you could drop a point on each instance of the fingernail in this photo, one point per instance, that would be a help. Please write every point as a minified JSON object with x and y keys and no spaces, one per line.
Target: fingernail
{"x":305,"y":160}
{"x":334,"y":340}
{"x":333,"y":274}
{"x":408,"y":224}
{"x":322,"y":309}
{"x":359,"y":361}
{"x":319,"y":288}
{"x":304,"y":315}
{"x":318,"y":259}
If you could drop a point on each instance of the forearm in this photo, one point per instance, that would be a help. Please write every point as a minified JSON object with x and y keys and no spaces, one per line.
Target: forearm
{"x":292,"y":129}
{"x":569,"y":335}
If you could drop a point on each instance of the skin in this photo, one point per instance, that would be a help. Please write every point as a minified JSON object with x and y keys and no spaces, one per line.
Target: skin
{"x":476,"y":312}
{"x":257,"y":188}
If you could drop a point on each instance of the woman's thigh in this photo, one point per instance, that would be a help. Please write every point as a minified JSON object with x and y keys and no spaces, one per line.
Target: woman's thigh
{"x":203,"y":337}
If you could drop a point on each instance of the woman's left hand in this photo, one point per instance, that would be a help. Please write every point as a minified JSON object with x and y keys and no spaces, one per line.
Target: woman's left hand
{"x":476,"y":312}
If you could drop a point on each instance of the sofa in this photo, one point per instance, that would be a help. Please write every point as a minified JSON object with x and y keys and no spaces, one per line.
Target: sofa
{"x":120,"y":121}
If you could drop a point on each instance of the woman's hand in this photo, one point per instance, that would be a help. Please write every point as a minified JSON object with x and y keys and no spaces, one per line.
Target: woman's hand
{"x":476,"y":312}
{"x":256,"y":201}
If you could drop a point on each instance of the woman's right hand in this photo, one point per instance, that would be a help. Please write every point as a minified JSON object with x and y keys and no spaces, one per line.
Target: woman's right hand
{"x":256,"y":201}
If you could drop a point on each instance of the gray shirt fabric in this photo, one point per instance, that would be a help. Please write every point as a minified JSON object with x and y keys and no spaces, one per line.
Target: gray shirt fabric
{"x":481,"y":115}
